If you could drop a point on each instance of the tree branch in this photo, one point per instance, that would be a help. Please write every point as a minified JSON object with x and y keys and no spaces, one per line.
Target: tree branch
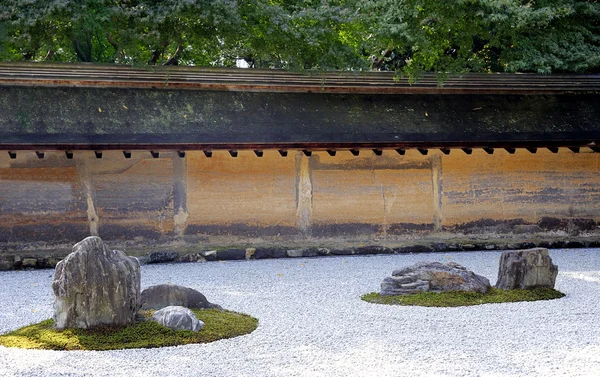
{"x":115,"y":45}
{"x":175,"y":58}
{"x":80,"y":54}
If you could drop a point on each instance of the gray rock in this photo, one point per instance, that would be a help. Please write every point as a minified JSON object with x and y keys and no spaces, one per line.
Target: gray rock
{"x":524,"y":269}
{"x":178,"y":318}
{"x":29,"y":262}
{"x":269,"y":252}
{"x":231,"y":254}
{"x":162,"y":256}
{"x":306,"y":253}
{"x":209,"y":255}
{"x":299,"y":253}
{"x":373,"y":249}
{"x":95,"y":286}
{"x":346,"y":251}
{"x":192,"y":257}
{"x":6,"y":264}
{"x":163,"y":295}
{"x":435,"y":277}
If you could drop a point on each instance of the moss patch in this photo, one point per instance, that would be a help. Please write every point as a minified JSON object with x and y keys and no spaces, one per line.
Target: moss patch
{"x":452,"y":299}
{"x":147,"y":334}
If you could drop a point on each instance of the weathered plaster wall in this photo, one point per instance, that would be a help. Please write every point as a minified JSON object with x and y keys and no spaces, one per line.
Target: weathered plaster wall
{"x":145,"y":199}
{"x":522,"y":185}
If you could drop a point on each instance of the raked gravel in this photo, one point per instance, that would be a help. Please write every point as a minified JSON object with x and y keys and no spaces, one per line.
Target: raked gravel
{"x":313,"y":323}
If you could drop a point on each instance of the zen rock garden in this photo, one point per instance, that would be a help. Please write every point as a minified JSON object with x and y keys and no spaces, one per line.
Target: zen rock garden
{"x":523,"y":269}
{"x":525,"y":275}
{"x":98,"y":289}
{"x":97,"y":286}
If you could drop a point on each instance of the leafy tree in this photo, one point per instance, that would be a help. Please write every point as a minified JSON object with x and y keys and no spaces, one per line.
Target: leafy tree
{"x":486,"y":35}
{"x":409,"y":36}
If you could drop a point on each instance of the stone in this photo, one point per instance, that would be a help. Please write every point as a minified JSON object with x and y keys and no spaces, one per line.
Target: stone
{"x":95,"y":286}
{"x":178,"y":318}
{"x":29,"y":262}
{"x":6,"y":264}
{"x":231,"y":254}
{"x":523,"y":269}
{"x":373,"y":249}
{"x":192,"y":257}
{"x":209,"y":255}
{"x":269,"y":252}
{"x":162,"y":256}
{"x":434,"y":277}
{"x":413,"y":249}
{"x":346,"y":251}
{"x":163,"y":295}
{"x":298,"y":253}
{"x":250,"y":251}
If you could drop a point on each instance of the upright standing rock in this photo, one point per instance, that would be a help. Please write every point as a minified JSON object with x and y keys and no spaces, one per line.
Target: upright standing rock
{"x":95,"y":286}
{"x":524,"y":269}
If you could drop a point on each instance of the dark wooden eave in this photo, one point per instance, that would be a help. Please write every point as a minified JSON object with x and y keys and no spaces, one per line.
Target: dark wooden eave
{"x":279,"y":81}
{"x":97,"y":107}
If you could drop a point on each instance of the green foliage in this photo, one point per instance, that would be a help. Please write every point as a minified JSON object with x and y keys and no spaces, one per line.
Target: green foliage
{"x":540,"y":36}
{"x":408,"y":36}
{"x":147,"y":334}
{"x":452,"y":299}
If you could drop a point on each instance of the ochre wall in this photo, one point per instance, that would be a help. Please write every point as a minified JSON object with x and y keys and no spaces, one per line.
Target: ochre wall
{"x":56,"y":199}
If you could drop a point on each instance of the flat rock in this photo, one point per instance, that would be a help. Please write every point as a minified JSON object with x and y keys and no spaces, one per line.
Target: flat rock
{"x":95,"y":286}
{"x":435,"y":277}
{"x":178,"y":318}
{"x":163,"y":295}
{"x":523,"y":269}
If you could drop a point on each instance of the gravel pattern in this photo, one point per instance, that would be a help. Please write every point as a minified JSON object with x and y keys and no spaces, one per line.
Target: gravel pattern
{"x":313,"y":323}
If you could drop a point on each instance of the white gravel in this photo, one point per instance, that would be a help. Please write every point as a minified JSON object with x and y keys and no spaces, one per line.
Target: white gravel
{"x":313,"y":323}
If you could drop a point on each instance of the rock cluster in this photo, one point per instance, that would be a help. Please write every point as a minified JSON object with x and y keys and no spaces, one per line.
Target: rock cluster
{"x":95,"y":286}
{"x":525,"y":269}
{"x":433,"y":276}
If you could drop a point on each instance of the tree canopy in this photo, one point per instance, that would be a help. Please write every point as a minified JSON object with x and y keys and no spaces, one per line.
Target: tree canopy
{"x":409,"y":36}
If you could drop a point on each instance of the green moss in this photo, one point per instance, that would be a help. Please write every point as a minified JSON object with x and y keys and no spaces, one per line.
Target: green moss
{"x":147,"y":334}
{"x":452,"y":299}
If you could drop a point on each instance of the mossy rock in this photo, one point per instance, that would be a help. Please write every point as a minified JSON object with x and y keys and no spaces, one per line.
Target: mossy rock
{"x":146,"y":334}
{"x":453,"y":299}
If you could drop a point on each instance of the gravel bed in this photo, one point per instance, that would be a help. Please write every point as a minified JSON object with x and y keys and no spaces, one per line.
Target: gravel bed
{"x":313,"y":323}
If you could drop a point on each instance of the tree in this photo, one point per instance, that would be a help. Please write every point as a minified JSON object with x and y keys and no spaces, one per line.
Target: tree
{"x":540,"y":36}
{"x":408,"y":36}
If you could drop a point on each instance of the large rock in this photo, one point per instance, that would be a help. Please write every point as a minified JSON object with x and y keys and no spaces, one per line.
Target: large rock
{"x":435,"y":277}
{"x":524,"y":269}
{"x":178,"y":318}
{"x":163,"y":295}
{"x":95,"y":286}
